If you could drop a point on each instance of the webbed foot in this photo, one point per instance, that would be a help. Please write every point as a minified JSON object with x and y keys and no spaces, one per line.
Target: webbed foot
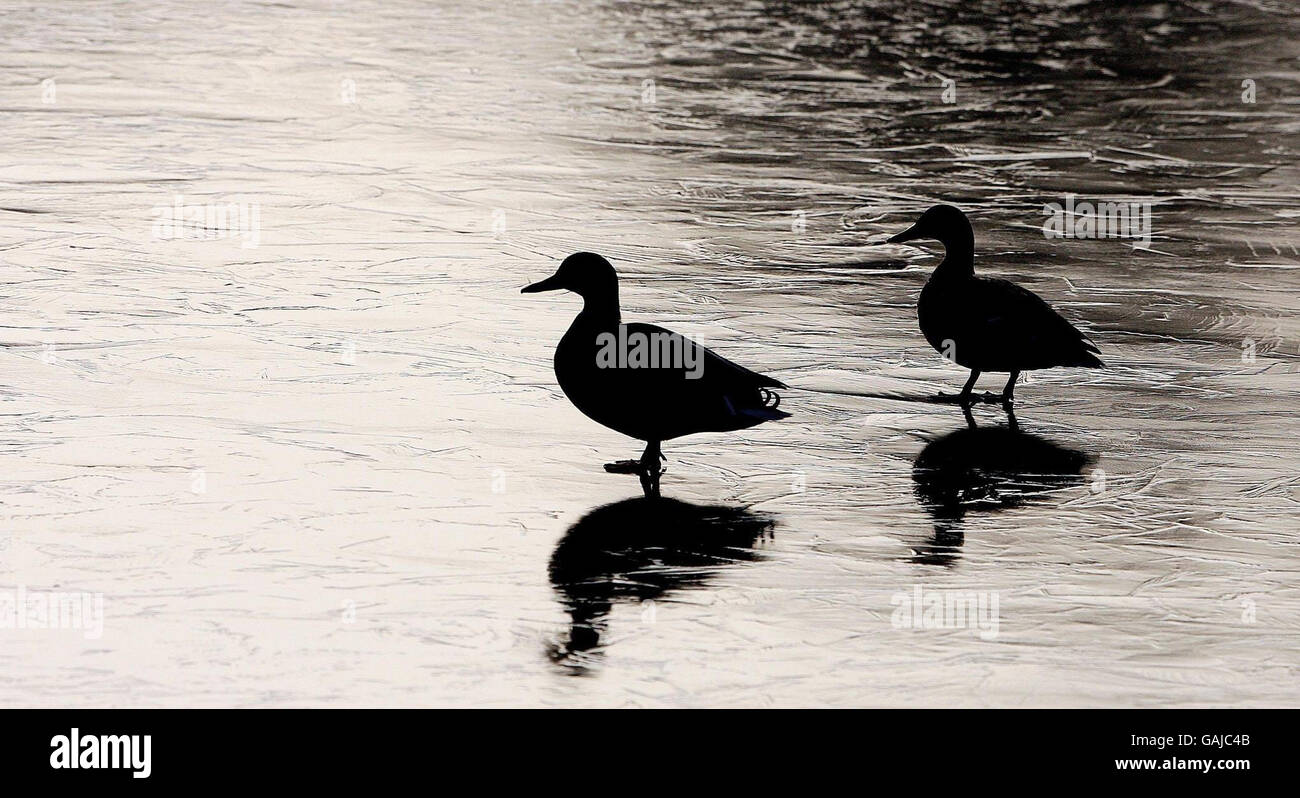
{"x":647,"y":468}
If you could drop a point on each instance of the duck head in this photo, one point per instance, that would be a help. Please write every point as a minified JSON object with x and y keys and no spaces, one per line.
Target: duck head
{"x":586,"y":274}
{"x":944,"y":224}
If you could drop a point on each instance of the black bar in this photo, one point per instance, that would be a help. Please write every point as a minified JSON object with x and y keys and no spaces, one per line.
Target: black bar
{"x":329,"y":747}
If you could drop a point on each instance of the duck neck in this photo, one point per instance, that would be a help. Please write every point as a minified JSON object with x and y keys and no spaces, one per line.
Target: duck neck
{"x":959,"y":256}
{"x":600,"y":311}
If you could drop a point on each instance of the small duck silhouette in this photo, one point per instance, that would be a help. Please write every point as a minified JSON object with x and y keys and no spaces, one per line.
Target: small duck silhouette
{"x":644,"y":381}
{"x":983,"y":323}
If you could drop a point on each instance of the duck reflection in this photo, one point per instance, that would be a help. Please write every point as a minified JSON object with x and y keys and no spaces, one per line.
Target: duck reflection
{"x":985,"y":469}
{"x":640,"y":550}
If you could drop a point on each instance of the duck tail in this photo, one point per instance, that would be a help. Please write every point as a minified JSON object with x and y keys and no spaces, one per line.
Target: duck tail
{"x":767,"y":410}
{"x":1090,"y":357}
{"x":761,"y":414}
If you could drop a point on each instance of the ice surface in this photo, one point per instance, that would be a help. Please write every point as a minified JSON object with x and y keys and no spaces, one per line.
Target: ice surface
{"x":335,"y":469}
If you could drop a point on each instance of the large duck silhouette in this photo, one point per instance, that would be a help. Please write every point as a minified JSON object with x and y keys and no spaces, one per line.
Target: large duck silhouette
{"x":653,"y":401}
{"x":640,"y":550}
{"x":985,"y":469}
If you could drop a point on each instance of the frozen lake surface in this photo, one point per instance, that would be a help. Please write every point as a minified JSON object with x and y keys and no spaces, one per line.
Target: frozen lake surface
{"x":335,"y":468}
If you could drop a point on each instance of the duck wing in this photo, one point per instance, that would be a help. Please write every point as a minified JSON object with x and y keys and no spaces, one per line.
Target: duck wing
{"x":1011,"y":328}
{"x":673,"y":386}
{"x":725,"y":371}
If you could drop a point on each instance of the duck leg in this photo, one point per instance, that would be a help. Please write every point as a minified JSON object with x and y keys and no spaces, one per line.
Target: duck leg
{"x":650,"y":470}
{"x":1007,"y":398}
{"x":964,"y":397}
{"x":647,"y":468}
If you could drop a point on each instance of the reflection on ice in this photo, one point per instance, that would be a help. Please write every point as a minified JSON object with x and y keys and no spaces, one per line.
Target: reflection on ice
{"x":985,"y":469}
{"x":642,"y":550}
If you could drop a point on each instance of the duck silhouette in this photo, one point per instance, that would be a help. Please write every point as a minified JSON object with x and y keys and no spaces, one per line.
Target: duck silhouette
{"x":643,"y":550}
{"x":986,"y":324}
{"x":644,"y":381}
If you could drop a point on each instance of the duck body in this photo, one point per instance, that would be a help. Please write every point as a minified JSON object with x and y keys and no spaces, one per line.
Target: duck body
{"x":660,"y":403}
{"x":987,"y":324}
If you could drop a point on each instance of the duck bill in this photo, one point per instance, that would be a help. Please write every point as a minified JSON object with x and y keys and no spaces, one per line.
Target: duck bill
{"x":551,"y":283}
{"x":910,"y":234}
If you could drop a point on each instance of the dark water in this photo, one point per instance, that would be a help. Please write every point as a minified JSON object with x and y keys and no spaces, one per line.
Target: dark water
{"x":336,"y":469}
